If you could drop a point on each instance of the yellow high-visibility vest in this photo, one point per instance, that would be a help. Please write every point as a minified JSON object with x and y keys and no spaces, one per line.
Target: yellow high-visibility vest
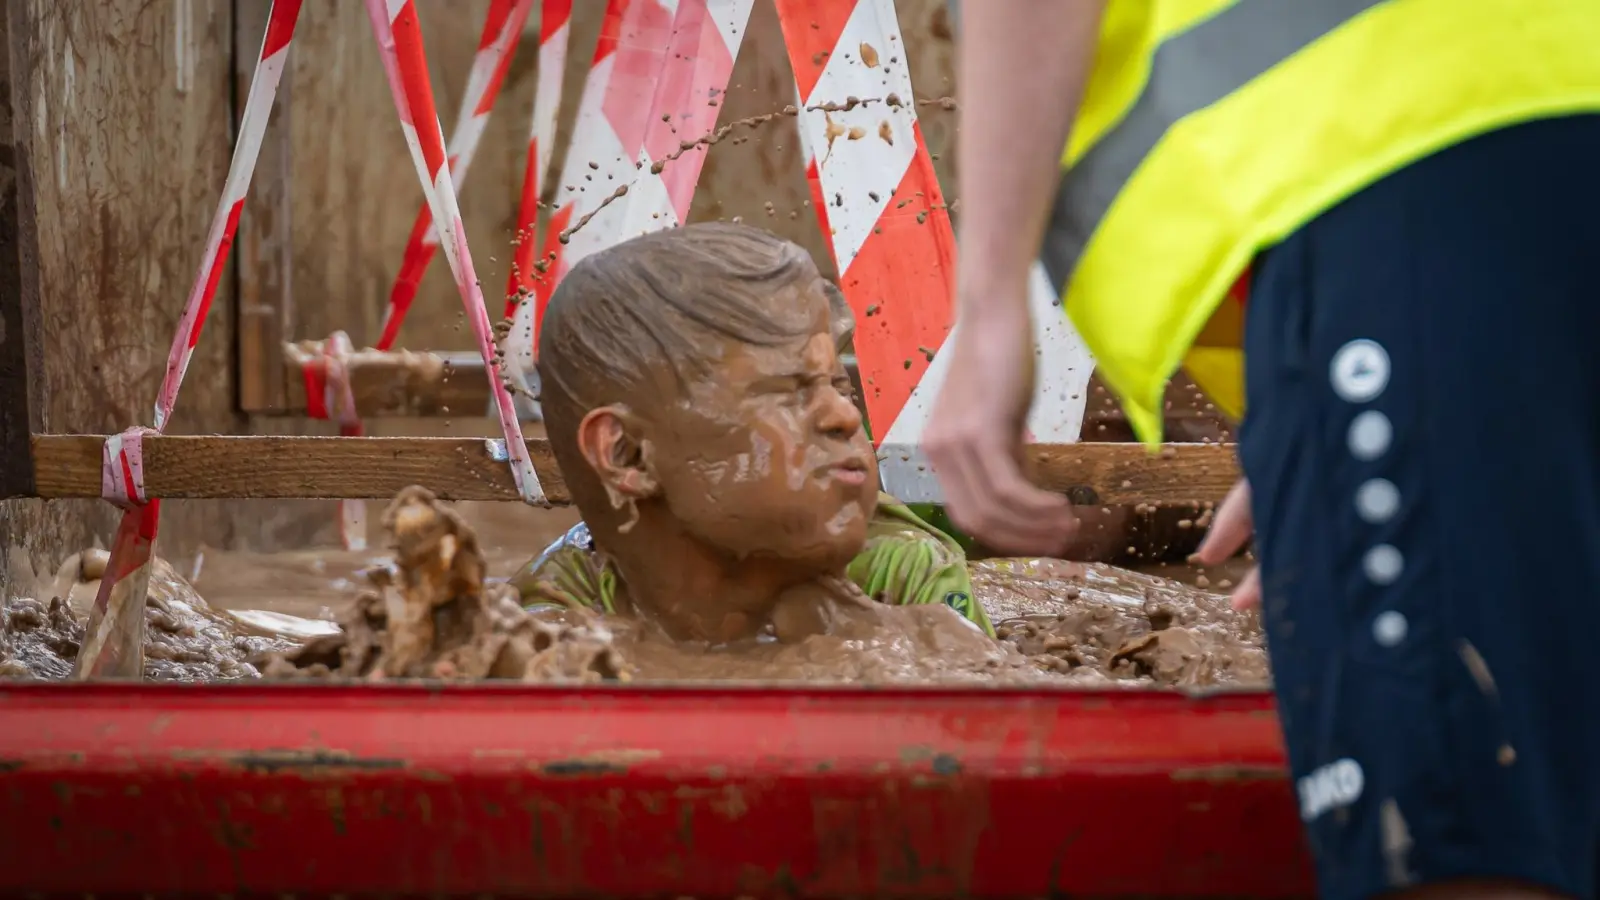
{"x":1212,"y":129}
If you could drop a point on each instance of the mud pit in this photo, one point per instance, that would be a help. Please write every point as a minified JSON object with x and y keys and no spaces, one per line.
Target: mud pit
{"x":1097,"y":623}
{"x":185,"y":638}
{"x":429,"y":610}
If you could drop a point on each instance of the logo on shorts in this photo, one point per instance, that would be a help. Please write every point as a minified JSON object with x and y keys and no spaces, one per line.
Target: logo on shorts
{"x":1360,"y":371}
{"x":1335,"y":785}
{"x":960,"y":601}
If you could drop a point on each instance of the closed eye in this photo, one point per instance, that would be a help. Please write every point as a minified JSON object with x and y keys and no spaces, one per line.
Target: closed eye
{"x":778,"y":384}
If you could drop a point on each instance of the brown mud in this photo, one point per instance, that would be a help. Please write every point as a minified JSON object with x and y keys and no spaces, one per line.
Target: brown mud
{"x":185,"y":638}
{"x":431,"y":614}
{"x":1099,"y":623}
{"x":326,"y":614}
{"x":322,"y":583}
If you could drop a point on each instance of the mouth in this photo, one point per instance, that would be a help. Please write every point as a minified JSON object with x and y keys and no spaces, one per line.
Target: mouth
{"x":850,"y":471}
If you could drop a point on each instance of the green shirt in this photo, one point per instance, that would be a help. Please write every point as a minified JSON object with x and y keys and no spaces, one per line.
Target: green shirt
{"x":906,"y":561}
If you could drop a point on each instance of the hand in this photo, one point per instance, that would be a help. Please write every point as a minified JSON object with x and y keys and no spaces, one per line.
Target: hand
{"x":1230,"y":529}
{"x":974,"y":437}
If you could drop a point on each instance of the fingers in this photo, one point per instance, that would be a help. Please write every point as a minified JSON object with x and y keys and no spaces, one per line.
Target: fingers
{"x":987,"y":497}
{"x":1230,"y":528}
{"x":1248,"y":594}
{"x":974,"y":435}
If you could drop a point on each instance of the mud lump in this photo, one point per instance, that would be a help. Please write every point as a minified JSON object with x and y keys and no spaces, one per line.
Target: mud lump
{"x":430,"y":614}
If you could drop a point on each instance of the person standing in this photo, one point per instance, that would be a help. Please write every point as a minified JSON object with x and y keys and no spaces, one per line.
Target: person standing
{"x":1411,"y":186}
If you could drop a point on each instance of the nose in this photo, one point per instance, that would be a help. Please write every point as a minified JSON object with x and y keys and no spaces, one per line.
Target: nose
{"x":835,"y":414}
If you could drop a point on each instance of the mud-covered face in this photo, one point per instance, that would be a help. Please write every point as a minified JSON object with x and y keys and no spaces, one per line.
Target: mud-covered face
{"x":767,"y":458}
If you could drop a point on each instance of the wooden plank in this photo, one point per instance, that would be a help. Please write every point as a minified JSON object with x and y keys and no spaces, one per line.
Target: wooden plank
{"x":21,"y":351}
{"x":262,"y":263}
{"x":399,"y":383}
{"x":294,"y":467}
{"x":213,"y":467}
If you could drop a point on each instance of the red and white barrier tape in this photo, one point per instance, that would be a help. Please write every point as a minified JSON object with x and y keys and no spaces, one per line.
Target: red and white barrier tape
{"x":252,"y":127}
{"x":122,"y":468}
{"x":886,"y":217}
{"x":555,"y":32}
{"x":329,"y":396}
{"x":694,"y":77}
{"x":502,"y":29}
{"x":612,"y":116}
{"x":115,"y":643}
{"x":394,"y":24}
{"x":879,"y":201}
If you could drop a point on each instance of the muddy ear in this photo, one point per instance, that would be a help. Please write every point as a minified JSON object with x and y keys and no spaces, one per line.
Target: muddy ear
{"x":612,"y":441}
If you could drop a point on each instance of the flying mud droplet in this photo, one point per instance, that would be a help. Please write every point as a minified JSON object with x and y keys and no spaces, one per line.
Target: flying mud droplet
{"x":833,"y":129}
{"x":869,"y":55}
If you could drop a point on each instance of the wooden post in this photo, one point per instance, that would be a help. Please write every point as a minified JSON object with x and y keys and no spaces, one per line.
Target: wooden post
{"x":21,"y":357}
{"x":262,"y":248}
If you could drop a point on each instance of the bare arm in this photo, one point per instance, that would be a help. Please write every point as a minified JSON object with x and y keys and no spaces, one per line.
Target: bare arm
{"x":1022,"y":66}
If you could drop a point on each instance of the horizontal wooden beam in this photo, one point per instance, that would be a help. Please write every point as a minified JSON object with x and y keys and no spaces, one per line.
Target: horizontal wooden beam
{"x":215,"y":467}
{"x":396,"y":382}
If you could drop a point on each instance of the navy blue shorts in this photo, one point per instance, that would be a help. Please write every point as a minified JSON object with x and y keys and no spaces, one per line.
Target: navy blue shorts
{"x":1423,"y":445}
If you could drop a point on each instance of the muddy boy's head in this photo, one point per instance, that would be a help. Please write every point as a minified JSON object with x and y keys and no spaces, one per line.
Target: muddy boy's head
{"x":692,"y":385}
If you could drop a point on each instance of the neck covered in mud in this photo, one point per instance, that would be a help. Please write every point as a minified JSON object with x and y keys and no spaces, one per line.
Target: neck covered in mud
{"x":693,"y":590}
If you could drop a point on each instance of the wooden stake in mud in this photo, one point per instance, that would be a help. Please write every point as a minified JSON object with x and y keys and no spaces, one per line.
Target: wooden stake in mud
{"x":114,"y":646}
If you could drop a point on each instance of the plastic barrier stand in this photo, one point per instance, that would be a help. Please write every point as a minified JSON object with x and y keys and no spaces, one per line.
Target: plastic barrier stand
{"x":412,"y":790}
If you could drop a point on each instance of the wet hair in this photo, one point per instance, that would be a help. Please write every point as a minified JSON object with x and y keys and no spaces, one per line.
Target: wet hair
{"x":630,"y":323}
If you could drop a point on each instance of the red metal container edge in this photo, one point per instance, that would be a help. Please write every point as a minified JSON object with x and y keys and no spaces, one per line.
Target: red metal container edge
{"x":425,"y":789}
